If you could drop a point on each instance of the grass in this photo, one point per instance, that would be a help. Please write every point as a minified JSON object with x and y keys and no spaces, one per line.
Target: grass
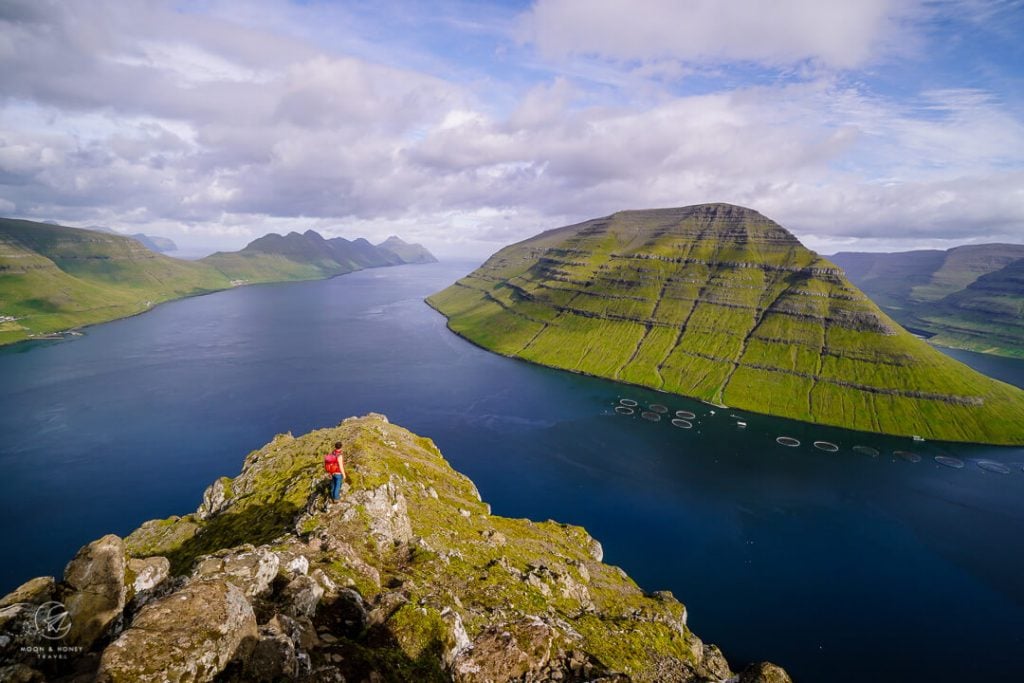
{"x":493,"y":571}
{"x":719,"y":303}
{"x":969,"y":297}
{"x":55,"y":278}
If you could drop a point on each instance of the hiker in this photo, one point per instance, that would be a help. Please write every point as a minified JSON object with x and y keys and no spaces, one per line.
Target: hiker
{"x":334,"y":464}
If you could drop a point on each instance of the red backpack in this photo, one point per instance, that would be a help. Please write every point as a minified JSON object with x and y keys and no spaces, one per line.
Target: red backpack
{"x":331,"y":463}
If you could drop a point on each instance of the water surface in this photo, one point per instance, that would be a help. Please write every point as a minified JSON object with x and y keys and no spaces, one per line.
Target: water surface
{"x":839,"y":566}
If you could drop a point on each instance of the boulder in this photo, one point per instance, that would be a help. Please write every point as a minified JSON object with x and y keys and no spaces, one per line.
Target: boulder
{"x":34,"y":591}
{"x":274,"y":656}
{"x":18,"y":631}
{"x":301,"y":596}
{"x":764,"y":672}
{"x":713,"y":664}
{"x":190,"y":635}
{"x":457,"y":641}
{"x":95,"y":589}
{"x":215,"y":498}
{"x":251,"y":569}
{"x":530,"y":650}
{"x":19,"y":673}
{"x":388,"y":514}
{"x":148,"y":573}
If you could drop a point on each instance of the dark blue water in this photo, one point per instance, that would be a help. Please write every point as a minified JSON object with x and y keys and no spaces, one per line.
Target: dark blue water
{"x":839,"y":566}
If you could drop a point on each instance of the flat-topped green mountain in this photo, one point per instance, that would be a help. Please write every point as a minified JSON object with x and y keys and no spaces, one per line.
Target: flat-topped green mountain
{"x":720,"y":303}
{"x":959,"y":295}
{"x":55,"y":278}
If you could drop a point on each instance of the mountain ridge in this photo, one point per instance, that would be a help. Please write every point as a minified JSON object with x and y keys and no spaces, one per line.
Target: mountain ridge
{"x":408,"y":577}
{"x":55,"y":278}
{"x":720,"y":303}
{"x":934,"y":292}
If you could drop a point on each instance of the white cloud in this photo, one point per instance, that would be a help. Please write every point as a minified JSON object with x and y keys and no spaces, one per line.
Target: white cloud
{"x":838,"y":34}
{"x":151,"y":119}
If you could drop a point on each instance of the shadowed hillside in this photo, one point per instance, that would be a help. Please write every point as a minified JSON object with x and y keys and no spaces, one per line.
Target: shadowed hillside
{"x":934,"y":292}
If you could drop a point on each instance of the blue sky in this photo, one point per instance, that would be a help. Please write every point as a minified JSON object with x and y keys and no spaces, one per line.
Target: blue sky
{"x":871,"y":125}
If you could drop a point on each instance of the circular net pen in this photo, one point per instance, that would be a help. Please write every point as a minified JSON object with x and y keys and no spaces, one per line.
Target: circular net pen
{"x":950,"y":461}
{"x":681,"y":423}
{"x":826,"y":446}
{"x":866,"y":450}
{"x":648,"y":415}
{"x":658,"y":408}
{"x":787,"y":441}
{"x":628,"y":402}
{"x":907,"y":456}
{"x":686,"y":414}
{"x":993,"y":466}
{"x":624,"y":410}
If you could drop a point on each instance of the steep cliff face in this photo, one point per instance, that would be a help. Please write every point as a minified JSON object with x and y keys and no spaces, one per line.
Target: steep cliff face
{"x":407,"y":578}
{"x":720,"y":303}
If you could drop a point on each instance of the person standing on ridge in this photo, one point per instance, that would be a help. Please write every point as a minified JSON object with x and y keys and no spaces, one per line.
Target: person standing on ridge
{"x":334,"y":464}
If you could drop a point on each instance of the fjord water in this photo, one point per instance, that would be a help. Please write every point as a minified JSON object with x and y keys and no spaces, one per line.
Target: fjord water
{"x":839,"y":566}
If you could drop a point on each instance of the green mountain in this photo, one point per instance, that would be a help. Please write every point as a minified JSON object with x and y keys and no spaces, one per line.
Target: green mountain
{"x":307,"y":256}
{"x":987,"y":315}
{"x":934,"y":292}
{"x":154,"y":243}
{"x":151,"y":242}
{"x":408,"y":577}
{"x":55,"y":278}
{"x":720,"y":303}
{"x":408,"y":253}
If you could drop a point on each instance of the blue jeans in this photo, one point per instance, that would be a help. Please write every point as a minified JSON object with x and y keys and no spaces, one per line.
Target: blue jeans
{"x":335,"y":486}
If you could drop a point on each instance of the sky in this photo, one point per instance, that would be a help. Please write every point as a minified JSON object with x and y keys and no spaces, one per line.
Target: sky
{"x":872,"y":125}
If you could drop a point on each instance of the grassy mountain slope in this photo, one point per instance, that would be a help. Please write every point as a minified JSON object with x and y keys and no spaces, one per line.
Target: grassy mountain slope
{"x":890,"y":279}
{"x":408,"y":253}
{"x":306,"y":256}
{"x":986,"y":315}
{"x":720,"y":303}
{"x":54,"y":278}
{"x":934,"y":291}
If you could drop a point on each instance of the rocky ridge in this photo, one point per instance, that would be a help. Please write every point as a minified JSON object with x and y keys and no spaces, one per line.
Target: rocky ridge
{"x":407,"y":578}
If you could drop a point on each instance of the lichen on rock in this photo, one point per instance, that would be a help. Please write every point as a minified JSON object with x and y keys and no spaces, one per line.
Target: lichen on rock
{"x":407,"y":577}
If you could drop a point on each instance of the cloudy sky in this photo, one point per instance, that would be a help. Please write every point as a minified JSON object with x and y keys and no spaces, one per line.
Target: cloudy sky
{"x":857,"y":124}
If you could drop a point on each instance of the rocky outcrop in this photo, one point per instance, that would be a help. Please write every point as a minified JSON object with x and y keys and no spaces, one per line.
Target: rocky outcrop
{"x":95,"y":591}
{"x":765,"y":672}
{"x":190,"y":635}
{"x":408,"y":577}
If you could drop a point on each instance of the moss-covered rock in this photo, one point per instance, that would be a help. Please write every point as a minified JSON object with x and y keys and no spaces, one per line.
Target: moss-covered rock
{"x":407,"y":577}
{"x":190,"y":635}
{"x":95,"y":591}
